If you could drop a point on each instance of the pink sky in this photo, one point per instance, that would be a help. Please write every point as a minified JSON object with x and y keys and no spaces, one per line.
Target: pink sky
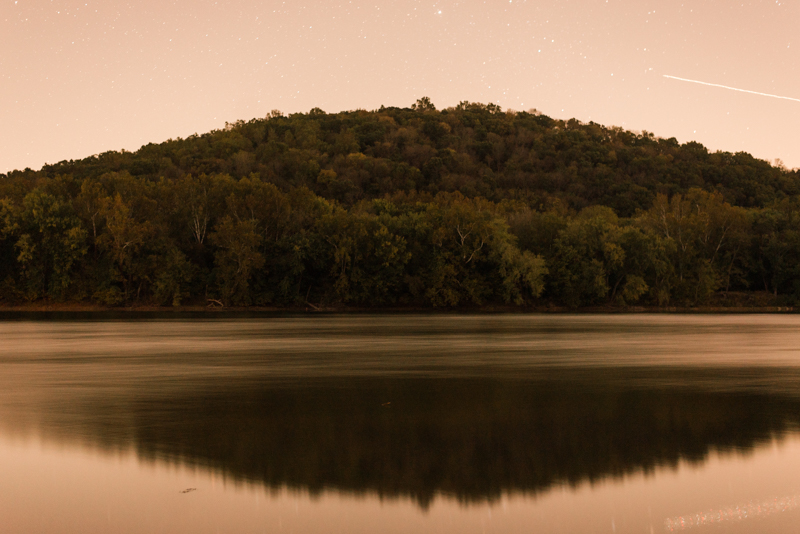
{"x":82,"y":77}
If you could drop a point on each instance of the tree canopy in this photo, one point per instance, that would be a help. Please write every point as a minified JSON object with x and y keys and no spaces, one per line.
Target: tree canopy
{"x":467,"y":205}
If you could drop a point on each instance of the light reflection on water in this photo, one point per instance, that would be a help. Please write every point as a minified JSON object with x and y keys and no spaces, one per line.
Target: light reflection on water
{"x":411,"y":422}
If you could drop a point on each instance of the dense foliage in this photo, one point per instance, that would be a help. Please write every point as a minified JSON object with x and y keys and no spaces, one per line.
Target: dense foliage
{"x":464,"y":206}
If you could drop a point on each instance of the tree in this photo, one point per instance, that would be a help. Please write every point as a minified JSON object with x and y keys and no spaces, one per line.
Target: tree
{"x":199,"y":200}
{"x":122,"y":241}
{"x":51,"y":242}
{"x":174,"y":277}
{"x":709,"y":235}
{"x":586,"y":255}
{"x":89,"y":204}
{"x":423,"y":104}
{"x":473,"y":256}
{"x":236,"y":259}
{"x":367,"y":259}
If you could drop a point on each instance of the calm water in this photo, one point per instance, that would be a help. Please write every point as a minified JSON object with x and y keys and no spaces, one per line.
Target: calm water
{"x":406,"y":423}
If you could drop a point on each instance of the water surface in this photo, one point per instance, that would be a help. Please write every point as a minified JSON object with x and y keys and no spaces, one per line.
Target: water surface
{"x":401,"y":423}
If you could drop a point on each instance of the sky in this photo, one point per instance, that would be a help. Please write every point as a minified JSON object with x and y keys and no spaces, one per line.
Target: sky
{"x":79,"y":78}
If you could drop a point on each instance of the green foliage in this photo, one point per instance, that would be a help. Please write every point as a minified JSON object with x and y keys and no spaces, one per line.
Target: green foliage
{"x":465,"y":206}
{"x":123,"y":241}
{"x":237,"y":258}
{"x":587,"y":254}
{"x":475,"y":149}
{"x":522,"y":273}
{"x":775,"y":250}
{"x":367,"y":260}
{"x":707,"y":233}
{"x":173,"y":279}
{"x":50,"y":241}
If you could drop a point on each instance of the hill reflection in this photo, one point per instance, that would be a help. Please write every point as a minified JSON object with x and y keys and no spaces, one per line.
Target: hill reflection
{"x":469,"y":406}
{"x":470,"y":438}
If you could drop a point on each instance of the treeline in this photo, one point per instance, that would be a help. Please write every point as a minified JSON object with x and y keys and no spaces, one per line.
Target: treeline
{"x":465,"y":206}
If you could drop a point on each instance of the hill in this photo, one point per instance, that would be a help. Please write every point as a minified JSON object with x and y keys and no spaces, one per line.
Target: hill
{"x":403,"y":206}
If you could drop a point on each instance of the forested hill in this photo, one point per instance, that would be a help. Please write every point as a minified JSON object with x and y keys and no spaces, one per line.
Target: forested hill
{"x":475,"y":149}
{"x":402,"y":206}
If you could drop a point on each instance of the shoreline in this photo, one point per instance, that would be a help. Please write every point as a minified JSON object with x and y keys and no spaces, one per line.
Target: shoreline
{"x":44,"y":308}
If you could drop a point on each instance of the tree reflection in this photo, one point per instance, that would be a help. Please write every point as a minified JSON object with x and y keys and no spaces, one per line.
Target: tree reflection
{"x":469,"y":438}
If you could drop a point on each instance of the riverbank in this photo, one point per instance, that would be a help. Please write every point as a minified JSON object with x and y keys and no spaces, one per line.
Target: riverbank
{"x":45,"y":307}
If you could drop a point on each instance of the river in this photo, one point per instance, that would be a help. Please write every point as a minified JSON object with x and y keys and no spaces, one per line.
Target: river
{"x":399,"y":423}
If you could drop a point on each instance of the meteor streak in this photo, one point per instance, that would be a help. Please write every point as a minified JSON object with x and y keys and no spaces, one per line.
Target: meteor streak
{"x":732,"y":88}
